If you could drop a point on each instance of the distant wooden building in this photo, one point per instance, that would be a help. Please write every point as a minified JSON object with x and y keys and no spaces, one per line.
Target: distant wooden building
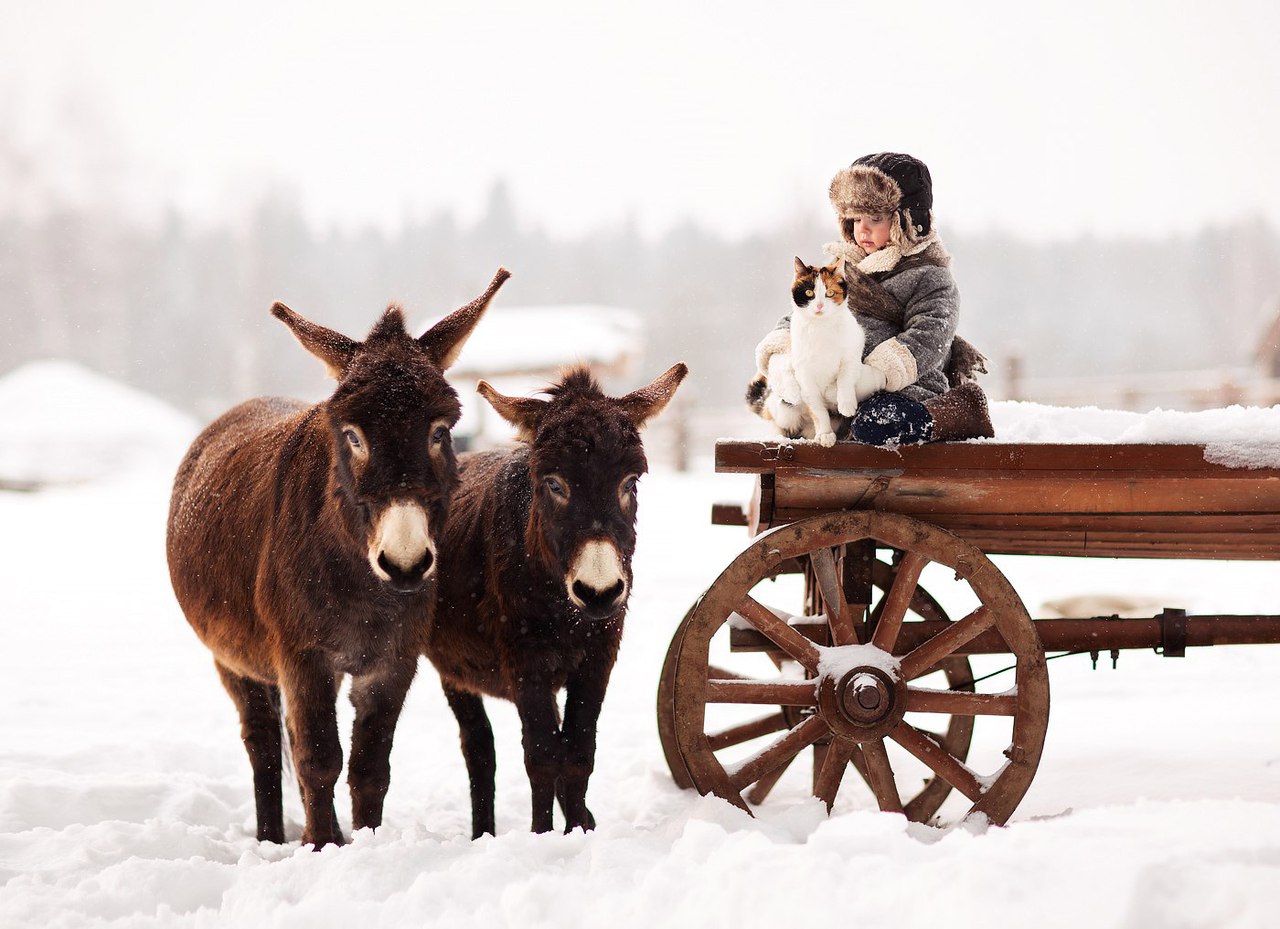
{"x":1267,"y":354}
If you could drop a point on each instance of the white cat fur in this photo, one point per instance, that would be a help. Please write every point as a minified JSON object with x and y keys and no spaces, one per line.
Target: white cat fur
{"x":826,"y":359}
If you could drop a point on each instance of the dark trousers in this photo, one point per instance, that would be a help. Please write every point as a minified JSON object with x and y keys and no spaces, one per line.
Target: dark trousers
{"x":886,"y":419}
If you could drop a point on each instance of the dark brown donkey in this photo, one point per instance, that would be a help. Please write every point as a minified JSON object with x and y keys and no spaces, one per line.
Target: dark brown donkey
{"x":535,"y":572}
{"x":303,"y":543}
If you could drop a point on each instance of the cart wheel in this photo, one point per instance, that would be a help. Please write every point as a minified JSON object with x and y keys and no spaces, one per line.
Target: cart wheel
{"x":956,"y":670}
{"x":852,"y":702}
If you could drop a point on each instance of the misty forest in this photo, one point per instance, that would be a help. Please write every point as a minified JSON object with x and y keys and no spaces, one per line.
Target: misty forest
{"x":180,"y":309}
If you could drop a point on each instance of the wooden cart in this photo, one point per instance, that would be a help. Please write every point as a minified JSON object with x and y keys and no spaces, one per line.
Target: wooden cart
{"x":866,"y":667}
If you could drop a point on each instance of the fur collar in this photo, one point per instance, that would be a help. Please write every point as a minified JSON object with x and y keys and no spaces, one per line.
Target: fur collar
{"x":929,"y":248}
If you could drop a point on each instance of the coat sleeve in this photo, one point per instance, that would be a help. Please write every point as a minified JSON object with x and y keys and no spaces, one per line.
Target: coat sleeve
{"x":931,"y":313}
{"x":777,"y":341}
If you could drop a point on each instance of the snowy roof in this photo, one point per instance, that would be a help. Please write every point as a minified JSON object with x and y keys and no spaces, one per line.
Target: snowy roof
{"x":524,"y":339}
{"x":62,"y":422}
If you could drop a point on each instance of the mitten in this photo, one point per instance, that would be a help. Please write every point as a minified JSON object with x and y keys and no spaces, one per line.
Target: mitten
{"x":896,"y":362}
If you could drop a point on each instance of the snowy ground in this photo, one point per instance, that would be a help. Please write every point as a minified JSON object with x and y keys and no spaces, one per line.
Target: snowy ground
{"x":125,"y":796}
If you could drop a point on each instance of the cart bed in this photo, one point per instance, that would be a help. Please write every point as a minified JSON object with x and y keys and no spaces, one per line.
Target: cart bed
{"x":1116,"y":500}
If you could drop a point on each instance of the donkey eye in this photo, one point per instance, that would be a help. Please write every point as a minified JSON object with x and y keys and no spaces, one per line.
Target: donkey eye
{"x":352,"y":438}
{"x":439,"y":434}
{"x":556,"y":487}
{"x":629,"y":485}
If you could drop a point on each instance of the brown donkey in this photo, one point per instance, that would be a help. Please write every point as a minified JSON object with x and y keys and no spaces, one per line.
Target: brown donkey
{"x":303,"y":543}
{"x":535,"y":572}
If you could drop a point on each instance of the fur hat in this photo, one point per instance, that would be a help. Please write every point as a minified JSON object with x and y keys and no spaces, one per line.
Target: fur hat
{"x":887,"y":182}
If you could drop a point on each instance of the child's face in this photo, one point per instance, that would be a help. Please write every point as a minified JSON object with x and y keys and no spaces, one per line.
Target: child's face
{"x":871,"y":230}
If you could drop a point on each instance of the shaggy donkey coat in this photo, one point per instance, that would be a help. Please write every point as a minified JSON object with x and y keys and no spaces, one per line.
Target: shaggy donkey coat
{"x":535,"y":572}
{"x":302,"y":547}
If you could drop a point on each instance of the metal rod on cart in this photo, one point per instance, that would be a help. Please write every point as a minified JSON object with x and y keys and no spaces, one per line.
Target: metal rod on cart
{"x":1171,"y":631}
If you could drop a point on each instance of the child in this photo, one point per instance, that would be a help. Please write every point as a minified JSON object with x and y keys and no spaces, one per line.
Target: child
{"x":903,"y":294}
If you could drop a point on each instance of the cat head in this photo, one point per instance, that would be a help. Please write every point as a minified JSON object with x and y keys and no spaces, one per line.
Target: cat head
{"x":816,"y":291}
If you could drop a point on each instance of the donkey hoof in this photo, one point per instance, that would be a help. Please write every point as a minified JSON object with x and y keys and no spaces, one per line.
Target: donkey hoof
{"x":318,"y":844}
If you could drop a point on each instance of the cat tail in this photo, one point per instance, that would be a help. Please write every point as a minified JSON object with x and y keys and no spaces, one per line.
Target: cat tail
{"x":757,"y":394}
{"x":793,"y":422}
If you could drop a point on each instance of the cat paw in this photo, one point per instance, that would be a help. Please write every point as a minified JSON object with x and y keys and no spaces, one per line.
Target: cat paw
{"x":847,"y":407}
{"x":826,"y":439}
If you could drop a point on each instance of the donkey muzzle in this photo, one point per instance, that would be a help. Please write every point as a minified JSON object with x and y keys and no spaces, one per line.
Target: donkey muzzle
{"x":401,"y":551}
{"x":596,"y":581}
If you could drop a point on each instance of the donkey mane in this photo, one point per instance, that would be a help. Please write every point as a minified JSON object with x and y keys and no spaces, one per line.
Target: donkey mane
{"x":575,"y":380}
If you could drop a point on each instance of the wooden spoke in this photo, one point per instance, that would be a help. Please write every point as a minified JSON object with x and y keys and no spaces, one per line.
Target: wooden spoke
{"x":782,"y":750}
{"x":745,"y":732}
{"x":839,"y":616}
{"x":922,"y":659}
{"x":880,"y":776}
{"x":760,"y":792}
{"x":836,"y":761}
{"x":780,"y":692}
{"x":939,"y":759}
{"x":779,"y":632}
{"x":724,"y":674}
{"x":960,"y":702}
{"x":897,"y":600}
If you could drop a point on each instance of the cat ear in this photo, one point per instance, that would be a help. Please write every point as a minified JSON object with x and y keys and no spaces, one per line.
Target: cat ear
{"x":801,"y":267}
{"x":839,"y":265}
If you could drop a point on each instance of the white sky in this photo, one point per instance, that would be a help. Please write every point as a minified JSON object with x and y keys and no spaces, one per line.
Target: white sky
{"x":1039,"y":119}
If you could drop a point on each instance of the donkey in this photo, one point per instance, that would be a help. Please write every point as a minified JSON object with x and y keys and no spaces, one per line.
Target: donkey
{"x":535,"y":572}
{"x":302,"y":545}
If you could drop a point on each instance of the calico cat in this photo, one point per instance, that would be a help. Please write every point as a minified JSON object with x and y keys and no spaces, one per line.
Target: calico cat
{"x":823,"y":371}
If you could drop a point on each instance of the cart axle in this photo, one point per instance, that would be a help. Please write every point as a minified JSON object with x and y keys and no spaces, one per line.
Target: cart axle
{"x":1170,"y":632}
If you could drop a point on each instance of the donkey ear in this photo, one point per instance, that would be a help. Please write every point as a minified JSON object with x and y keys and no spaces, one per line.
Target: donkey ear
{"x":642,"y":405}
{"x":332,"y":348}
{"x":443,"y":342}
{"x":521,"y":412}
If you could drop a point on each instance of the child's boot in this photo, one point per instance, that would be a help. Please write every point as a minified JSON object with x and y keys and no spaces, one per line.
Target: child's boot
{"x":960,"y":413}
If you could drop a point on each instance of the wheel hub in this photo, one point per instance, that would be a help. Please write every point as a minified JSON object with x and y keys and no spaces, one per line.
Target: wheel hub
{"x":861,"y":703}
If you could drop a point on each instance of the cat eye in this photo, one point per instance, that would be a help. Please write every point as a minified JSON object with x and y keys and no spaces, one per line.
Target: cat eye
{"x":808,"y":293}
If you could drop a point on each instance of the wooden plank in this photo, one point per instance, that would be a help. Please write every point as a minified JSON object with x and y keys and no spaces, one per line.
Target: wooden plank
{"x":745,"y":456}
{"x":728,"y":514}
{"x":1239,"y":536}
{"x":1037,"y":492}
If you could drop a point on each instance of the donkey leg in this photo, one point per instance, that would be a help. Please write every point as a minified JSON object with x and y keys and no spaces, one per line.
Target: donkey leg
{"x":311,"y":694}
{"x":477,"y":750}
{"x":259,"y":708}
{"x":543,"y":746}
{"x":584,"y":697}
{"x":378,"y":699}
